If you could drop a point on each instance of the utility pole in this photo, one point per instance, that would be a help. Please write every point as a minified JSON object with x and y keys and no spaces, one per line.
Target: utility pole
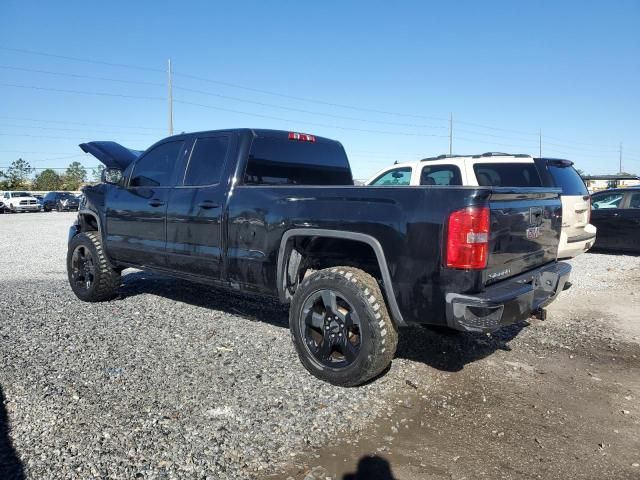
{"x":540,"y":150}
{"x":170,"y":98}
{"x":620,"y":171}
{"x":451,"y":134}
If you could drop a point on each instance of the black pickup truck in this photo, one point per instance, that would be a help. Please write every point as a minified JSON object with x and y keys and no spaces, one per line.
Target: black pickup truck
{"x":277,"y":213}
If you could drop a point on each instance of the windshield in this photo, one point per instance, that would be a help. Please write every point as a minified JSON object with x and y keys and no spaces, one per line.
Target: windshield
{"x":67,"y":195}
{"x":20,"y":194}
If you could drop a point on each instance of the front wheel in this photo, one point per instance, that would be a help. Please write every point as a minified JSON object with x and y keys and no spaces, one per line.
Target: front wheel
{"x":91,"y":276}
{"x":340,"y":326}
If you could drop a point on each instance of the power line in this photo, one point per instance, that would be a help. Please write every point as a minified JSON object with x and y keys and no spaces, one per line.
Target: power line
{"x":227,"y":97}
{"x":383,"y":132}
{"x":51,"y":168}
{"x":77,"y":75}
{"x":262,"y":91}
{"x":301,"y":110}
{"x":78,"y":123}
{"x":80,"y":92}
{"x":136,"y":134}
{"x":78,"y":59}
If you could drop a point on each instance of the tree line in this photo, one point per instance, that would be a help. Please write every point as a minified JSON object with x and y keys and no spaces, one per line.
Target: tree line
{"x":21,"y":176}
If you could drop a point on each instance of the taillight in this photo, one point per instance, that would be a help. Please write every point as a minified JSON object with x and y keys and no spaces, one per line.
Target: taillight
{"x":589,"y":210}
{"x":302,"y":137}
{"x":468,"y":238}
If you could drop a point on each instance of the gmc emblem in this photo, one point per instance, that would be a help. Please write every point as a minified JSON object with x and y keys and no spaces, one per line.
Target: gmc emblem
{"x":533,"y":233}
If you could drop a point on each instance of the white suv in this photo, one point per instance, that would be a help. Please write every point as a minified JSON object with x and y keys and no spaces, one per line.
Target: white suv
{"x":505,"y":170}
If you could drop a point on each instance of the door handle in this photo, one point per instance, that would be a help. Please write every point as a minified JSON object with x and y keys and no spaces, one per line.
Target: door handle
{"x":156,"y":202}
{"x":208,"y":204}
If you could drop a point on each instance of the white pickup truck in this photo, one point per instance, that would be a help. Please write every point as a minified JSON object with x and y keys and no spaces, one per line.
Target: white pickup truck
{"x":507,"y":170}
{"x":20,"y":202}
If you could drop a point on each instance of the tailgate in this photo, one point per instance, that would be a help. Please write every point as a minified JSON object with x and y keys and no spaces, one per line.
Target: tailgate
{"x":525,"y":231}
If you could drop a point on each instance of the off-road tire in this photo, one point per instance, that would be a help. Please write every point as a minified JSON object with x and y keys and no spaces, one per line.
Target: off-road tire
{"x":106,"y":278}
{"x":379,"y":334}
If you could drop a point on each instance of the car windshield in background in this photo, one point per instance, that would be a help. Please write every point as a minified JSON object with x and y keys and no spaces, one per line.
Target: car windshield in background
{"x":20,"y":194}
{"x":507,"y":175}
{"x":568,"y":180}
{"x":397,"y":176}
{"x":67,"y":195}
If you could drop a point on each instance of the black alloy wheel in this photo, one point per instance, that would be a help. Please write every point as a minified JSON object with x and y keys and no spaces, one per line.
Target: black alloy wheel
{"x":340,"y":326}
{"x":331,"y":329}
{"x":83,"y":268}
{"x":91,"y":275}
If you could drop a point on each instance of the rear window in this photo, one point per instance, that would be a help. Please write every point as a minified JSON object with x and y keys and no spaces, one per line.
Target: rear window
{"x":274,"y":161}
{"x":507,"y":175}
{"x":568,"y":180}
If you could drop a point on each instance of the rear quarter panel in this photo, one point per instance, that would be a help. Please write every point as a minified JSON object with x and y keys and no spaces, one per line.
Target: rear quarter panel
{"x":406,"y":221}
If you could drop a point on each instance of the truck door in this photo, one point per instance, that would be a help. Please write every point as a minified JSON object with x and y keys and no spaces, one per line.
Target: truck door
{"x":195,"y":212}
{"x":136,"y":212}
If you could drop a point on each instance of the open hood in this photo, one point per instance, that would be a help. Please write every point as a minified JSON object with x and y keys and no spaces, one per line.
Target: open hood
{"x":112,"y":154}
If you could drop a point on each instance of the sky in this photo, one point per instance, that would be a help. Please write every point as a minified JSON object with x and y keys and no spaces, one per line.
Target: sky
{"x":383,"y":78}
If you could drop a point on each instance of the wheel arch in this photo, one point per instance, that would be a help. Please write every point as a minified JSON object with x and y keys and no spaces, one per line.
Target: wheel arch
{"x":89,"y":220}
{"x":286,"y":250}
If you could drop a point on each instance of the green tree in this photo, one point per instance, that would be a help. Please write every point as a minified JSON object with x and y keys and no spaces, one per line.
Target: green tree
{"x":96,"y":173}
{"x":47,"y":180}
{"x":75,"y":176}
{"x":17,"y":175}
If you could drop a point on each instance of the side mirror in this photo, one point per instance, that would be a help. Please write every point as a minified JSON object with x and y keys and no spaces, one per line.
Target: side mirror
{"x":112,"y":176}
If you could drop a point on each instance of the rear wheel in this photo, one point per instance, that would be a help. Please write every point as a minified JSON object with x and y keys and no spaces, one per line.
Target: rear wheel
{"x":340,"y":326}
{"x":91,"y":276}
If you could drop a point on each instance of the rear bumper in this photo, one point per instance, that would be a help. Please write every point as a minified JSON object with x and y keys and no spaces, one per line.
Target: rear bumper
{"x":508,"y":302}
{"x":573,"y":246}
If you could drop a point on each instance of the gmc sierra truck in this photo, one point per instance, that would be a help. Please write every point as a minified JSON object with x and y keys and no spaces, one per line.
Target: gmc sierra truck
{"x":277,"y":213}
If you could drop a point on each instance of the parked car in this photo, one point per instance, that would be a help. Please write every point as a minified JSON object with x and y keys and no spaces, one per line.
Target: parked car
{"x":506,"y":170}
{"x":15,"y":202}
{"x":277,"y":213}
{"x":1,"y":206}
{"x":60,"y":201}
{"x":616,"y":214}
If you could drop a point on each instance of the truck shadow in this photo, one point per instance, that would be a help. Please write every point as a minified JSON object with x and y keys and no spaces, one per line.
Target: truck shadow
{"x":440,"y":348}
{"x":450,"y":350}
{"x":10,"y":465}
{"x":253,"y":307}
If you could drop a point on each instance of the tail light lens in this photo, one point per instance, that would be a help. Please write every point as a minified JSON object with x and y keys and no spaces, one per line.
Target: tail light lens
{"x":589,"y":210}
{"x":468,"y":238}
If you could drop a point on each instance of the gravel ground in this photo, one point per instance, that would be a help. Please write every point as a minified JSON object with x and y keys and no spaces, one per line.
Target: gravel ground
{"x":170,"y":380}
{"x":177,"y":380}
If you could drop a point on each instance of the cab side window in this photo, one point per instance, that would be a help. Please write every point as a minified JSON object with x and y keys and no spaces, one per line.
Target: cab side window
{"x":441,"y":175}
{"x":206,"y":161}
{"x":397,"y":176}
{"x":607,"y":200}
{"x":155,"y":167}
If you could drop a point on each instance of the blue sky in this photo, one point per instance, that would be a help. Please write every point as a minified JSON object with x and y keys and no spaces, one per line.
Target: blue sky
{"x":381,"y":77}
